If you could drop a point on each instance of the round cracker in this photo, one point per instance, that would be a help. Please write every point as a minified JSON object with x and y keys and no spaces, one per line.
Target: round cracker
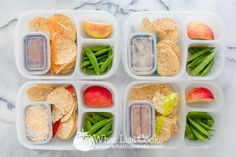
{"x":62,"y":99}
{"x":146,"y":25}
{"x":67,"y":27}
{"x":40,"y":92}
{"x":65,"y":51}
{"x":39,"y":24}
{"x":147,"y":91}
{"x":173,"y":45}
{"x":167,"y":61}
{"x":68,"y":115}
{"x":165,"y":24}
{"x":166,"y":130}
{"x":170,"y":35}
{"x":67,"y":129}
{"x":56,"y":114}
{"x":65,"y":68}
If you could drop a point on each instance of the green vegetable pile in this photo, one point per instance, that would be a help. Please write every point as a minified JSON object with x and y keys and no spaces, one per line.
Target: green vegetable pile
{"x":199,"y":126}
{"x":99,"y":125}
{"x":201,"y":60}
{"x":96,"y":60}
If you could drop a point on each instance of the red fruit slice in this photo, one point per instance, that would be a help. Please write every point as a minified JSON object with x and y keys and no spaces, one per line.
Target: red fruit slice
{"x":199,"y":95}
{"x":55,"y":127}
{"x":200,"y":31}
{"x":97,"y":96}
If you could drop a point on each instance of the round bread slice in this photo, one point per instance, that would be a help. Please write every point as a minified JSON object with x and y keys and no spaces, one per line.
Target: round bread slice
{"x":67,"y":28}
{"x":173,"y":45}
{"x":40,"y":92}
{"x":167,"y":61}
{"x":62,"y":99}
{"x":67,"y":129}
{"x":65,"y":51}
{"x":39,"y":24}
{"x":146,"y":26}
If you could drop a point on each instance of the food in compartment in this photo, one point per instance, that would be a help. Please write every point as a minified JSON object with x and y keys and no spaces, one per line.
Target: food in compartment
{"x":142,"y":53}
{"x":201,"y":60}
{"x":168,"y":52}
{"x":140,"y":117}
{"x":199,"y":94}
{"x":99,"y":125}
{"x":166,"y":103}
{"x":199,"y":126}
{"x":37,"y":123}
{"x":97,"y":30}
{"x":200,"y":31}
{"x":36,"y":53}
{"x":96,"y":60}
{"x":63,"y":103}
{"x":62,"y":33}
{"x":97,"y":96}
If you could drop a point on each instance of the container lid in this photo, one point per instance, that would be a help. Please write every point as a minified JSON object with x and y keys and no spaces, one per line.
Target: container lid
{"x":142,"y":53}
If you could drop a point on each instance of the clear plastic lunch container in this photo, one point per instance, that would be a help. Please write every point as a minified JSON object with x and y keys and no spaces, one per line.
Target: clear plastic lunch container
{"x":79,"y":86}
{"x":179,"y":141}
{"x":132,"y":25}
{"x":82,"y":40}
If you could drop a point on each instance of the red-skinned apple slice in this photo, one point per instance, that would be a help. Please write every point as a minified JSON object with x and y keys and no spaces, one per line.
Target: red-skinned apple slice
{"x":200,"y":94}
{"x":200,"y":31}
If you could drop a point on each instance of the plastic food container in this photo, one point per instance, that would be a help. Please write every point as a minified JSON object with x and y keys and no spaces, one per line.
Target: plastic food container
{"x":37,"y":57}
{"x":142,"y":53}
{"x":55,"y":143}
{"x":179,"y":141}
{"x":47,"y":108}
{"x":77,"y":17}
{"x":132,"y":25}
{"x":140,"y":122}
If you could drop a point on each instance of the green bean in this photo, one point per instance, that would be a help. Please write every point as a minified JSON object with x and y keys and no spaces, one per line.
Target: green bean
{"x":106,"y":64}
{"x":200,"y":115}
{"x":88,"y":124}
{"x":89,"y":71}
{"x":97,"y":48}
{"x":204,"y":125}
{"x":208,"y":68}
{"x":210,"y":123}
{"x":102,"y":57}
{"x":188,"y":133}
{"x":194,"y":56}
{"x":198,"y":135}
{"x":101,"y":52}
{"x":110,"y":52}
{"x":203,"y":64}
{"x":98,"y":125}
{"x":191,"y":50}
{"x":104,"y":130}
{"x":105,"y":114}
{"x":91,"y":67}
{"x":109,"y":133}
{"x":98,"y":117}
{"x":196,"y":62}
{"x":199,"y":127}
{"x":92,"y":59}
{"x":85,"y":63}
{"x":89,"y":118}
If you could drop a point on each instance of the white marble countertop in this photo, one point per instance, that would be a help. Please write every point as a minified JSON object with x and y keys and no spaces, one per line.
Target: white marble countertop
{"x":10,"y":79}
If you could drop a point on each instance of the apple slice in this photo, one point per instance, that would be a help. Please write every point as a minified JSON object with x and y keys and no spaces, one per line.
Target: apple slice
{"x":200,"y":94}
{"x":200,"y":31}
{"x":97,"y":30}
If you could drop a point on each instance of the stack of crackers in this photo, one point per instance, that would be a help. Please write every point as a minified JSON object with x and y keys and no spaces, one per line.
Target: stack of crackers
{"x":62,"y":32}
{"x":155,"y":93}
{"x":63,"y":105}
{"x":168,"y":53}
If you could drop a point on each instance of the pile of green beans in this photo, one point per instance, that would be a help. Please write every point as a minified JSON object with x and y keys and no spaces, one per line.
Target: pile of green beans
{"x":199,"y":126}
{"x":99,"y":125}
{"x":96,"y":60}
{"x":201,"y":60}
